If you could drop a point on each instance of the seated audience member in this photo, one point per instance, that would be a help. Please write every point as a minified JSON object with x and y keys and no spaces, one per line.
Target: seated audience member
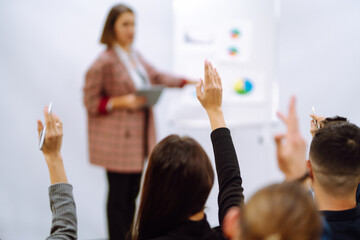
{"x":62,"y":204}
{"x":179,"y":178}
{"x":280,"y":211}
{"x":320,"y":121}
{"x":335,"y":174}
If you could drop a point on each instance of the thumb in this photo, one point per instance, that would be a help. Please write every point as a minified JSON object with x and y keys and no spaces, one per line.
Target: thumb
{"x":278,"y":140}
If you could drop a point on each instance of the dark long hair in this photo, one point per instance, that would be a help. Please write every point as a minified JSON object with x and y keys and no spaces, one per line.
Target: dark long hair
{"x":108,"y":34}
{"x":177,"y":184}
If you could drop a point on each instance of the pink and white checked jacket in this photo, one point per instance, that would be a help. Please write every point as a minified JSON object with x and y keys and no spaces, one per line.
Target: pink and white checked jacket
{"x":117,"y":139}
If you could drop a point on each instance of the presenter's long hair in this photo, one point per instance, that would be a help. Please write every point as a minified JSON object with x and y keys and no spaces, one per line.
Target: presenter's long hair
{"x":177,"y":183}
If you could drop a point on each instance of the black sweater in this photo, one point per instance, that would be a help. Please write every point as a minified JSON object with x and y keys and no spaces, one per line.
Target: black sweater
{"x":345,"y":224}
{"x":230,"y":190}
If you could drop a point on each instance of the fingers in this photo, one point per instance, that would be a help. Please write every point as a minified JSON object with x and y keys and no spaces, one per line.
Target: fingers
{"x":282,"y":117}
{"x":207,"y":72}
{"x":55,"y":118}
{"x":292,"y":119}
{"x":292,"y":104}
{"x":199,"y":86}
{"x":312,"y":127}
{"x":279,"y":140}
{"x":48,"y":118}
{"x":318,"y":120}
{"x":313,"y":116}
{"x":210,"y":74}
{"x":317,"y":117}
{"x":54,"y":129}
{"x":40,"y":126}
{"x":217,"y":78}
{"x":292,"y":110}
{"x":312,"y":124}
{"x":57,"y":122}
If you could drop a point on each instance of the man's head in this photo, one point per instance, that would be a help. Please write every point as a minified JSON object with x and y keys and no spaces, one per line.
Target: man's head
{"x":278,"y":211}
{"x":335,"y":156}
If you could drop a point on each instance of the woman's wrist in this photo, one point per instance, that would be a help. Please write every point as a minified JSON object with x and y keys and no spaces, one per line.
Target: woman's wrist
{"x":216,"y":118}
{"x":56,"y":169}
{"x":53,"y":158}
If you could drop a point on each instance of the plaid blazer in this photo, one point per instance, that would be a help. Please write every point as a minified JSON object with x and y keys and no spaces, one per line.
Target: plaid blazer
{"x":119,"y":140}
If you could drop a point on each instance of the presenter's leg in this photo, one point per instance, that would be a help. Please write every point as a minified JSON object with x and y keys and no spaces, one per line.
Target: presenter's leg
{"x":123,"y":190}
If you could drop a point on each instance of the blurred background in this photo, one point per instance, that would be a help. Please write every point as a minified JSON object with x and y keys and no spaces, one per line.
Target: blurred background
{"x":46,"y":47}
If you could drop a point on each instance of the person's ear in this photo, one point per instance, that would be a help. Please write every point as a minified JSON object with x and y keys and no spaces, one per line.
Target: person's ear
{"x":309,"y":167}
{"x":231,"y":223}
{"x":311,"y":174}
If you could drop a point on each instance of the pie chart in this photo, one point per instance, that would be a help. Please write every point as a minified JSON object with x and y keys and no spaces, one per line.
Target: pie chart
{"x":235,"y":33}
{"x":233,"y":51}
{"x":243,"y":86}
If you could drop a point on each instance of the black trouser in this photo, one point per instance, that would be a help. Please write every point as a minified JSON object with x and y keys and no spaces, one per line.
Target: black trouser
{"x":123,"y":189}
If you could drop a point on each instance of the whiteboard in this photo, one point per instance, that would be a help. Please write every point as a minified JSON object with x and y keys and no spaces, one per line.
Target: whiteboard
{"x":239,"y":38}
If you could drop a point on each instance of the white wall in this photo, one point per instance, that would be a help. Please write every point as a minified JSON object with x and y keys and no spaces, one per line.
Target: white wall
{"x":45,"y":50}
{"x":46,"y":47}
{"x":319,"y":57}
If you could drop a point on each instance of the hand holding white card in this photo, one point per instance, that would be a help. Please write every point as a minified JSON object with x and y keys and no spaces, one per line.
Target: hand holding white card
{"x":43,"y":132}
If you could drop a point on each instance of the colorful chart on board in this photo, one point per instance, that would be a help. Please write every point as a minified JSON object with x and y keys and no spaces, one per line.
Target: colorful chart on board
{"x":235,"y":33}
{"x":233,"y":51}
{"x":243,"y":86}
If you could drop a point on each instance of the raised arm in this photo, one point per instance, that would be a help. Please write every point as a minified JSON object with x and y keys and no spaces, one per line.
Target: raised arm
{"x":209,"y":94}
{"x":291,"y":147}
{"x":62,"y":204}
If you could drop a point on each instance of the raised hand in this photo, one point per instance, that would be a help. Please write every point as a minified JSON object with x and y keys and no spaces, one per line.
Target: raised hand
{"x":291,"y":146}
{"x":54,"y":134}
{"x":209,"y":94}
{"x":52,"y":146}
{"x":319,"y":123}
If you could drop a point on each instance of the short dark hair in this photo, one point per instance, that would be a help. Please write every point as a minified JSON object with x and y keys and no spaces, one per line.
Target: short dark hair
{"x":333,"y":120}
{"x":108,"y":34}
{"x":335,"y":156}
{"x":285,"y":210}
{"x":177,"y":183}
